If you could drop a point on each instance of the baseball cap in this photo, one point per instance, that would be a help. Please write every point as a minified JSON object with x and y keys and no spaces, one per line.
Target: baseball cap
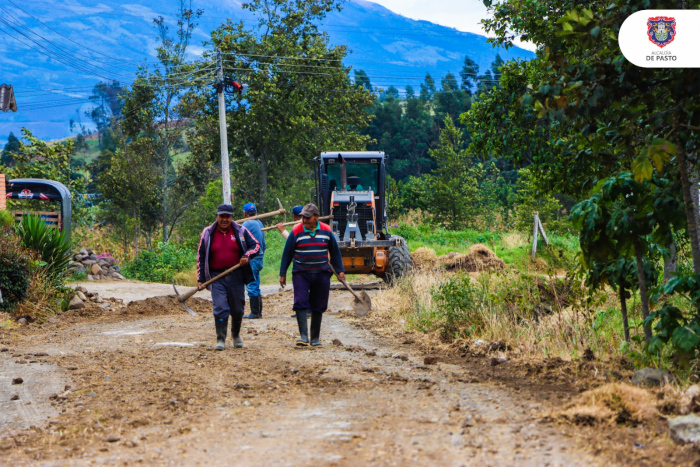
{"x":250,"y":207}
{"x":224,"y":209}
{"x":309,"y":211}
{"x":296,"y":210}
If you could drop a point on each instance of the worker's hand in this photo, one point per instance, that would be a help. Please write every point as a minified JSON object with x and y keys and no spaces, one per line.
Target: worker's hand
{"x":341,"y":276}
{"x":244,"y":261}
{"x":200,"y":286}
{"x":280,"y":227}
{"x":283,"y":281}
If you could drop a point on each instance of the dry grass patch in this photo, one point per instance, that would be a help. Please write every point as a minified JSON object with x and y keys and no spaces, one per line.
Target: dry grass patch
{"x":513,"y":240}
{"x":611,"y":403}
{"x":425,"y":259}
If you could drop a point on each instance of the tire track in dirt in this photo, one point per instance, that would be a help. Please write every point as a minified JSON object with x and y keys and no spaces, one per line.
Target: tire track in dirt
{"x":152,"y":383}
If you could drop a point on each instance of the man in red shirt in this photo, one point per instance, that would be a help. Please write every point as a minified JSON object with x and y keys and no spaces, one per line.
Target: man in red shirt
{"x":223,"y":245}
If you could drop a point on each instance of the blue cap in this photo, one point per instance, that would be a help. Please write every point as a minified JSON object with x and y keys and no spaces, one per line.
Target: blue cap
{"x":224,"y":209}
{"x":250,"y":207}
{"x":296,"y":210}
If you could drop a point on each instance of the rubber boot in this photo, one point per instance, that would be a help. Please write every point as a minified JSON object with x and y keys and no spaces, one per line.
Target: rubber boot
{"x":303,"y":341}
{"x":316,"y":329}
{"x":236,"y":332}
{"x":255,"y":308}
{"x":221,"y":325}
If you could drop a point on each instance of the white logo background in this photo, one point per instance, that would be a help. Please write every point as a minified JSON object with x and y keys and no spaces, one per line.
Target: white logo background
{"x":683,"y":52}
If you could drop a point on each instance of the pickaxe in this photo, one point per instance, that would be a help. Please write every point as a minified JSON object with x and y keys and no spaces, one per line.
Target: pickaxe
{"x":182,"y":298}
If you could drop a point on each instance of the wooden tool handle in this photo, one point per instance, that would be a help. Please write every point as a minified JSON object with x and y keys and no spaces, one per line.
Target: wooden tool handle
{"x":347,"y":286}
{"x":294,"y":223}
{"x":261,"y":216}
{"x":187,"y":295}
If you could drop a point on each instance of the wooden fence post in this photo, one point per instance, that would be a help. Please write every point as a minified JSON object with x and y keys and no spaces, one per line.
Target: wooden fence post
{"x":534,"y":235}
{"x":538,"y":227}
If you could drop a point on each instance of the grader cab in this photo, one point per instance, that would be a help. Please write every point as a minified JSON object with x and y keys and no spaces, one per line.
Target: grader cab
{"x":351,"y":187}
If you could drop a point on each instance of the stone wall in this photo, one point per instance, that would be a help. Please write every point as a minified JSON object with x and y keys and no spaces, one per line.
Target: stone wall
{"x":96,"y":268}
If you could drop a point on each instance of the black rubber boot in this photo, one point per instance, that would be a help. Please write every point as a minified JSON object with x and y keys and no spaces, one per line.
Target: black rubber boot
{"x":255,"y":308}
{"x":236,"y":332}
{"x":221,"y":325}
{"x":316,"y":329}
{"x":303,"y":341}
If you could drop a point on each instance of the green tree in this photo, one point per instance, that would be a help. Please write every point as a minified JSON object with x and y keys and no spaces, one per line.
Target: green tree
{"x":454,"y":183}
{"x":427,"y":88}
{"x":7,"y":159}
{"x":130,"y":188}
{"x":469,"y":72}
{"x":288,"y":115}
{"x":153,"y":109}
{"x":361,"y":79}
{"x":38,"y":159}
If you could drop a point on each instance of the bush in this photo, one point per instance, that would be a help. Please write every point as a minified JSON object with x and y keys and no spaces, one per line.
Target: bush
{"x":50,"y":243}
{"x":161,"y":264}
{"x":459,"y":307}
{"x":6,"y":219}
{"x":15,"y":271}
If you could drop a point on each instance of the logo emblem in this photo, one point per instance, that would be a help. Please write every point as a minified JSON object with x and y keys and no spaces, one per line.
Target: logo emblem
{"x":661,"y":30}
{"x":25,"y":194}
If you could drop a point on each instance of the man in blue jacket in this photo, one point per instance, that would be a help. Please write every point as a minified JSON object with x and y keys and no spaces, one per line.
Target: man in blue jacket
{"x":256,"y":264}
{"x":308,"y":247}
{"x":223,"y":245}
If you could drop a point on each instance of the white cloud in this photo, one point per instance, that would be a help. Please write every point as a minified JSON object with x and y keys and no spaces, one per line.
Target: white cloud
{"x":463,"y":15}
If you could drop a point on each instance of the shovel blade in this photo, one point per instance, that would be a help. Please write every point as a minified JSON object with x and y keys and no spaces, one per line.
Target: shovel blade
{"x":363,"y":306}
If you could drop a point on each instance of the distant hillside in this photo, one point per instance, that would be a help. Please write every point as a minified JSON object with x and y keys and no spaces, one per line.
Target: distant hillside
{"x":96,"y":40}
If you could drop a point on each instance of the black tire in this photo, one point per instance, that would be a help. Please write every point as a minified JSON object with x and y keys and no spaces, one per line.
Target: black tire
{"x":399,"y":262}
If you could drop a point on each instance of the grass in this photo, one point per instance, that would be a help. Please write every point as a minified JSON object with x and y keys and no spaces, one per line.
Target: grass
{"x":512,"y":247}
{"x":508,"y":306}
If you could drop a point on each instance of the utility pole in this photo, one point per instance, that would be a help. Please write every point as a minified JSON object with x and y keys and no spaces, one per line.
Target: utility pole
{"x":225,"y":173}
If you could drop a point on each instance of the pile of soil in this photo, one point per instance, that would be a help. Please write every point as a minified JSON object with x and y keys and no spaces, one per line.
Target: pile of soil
{"x":479,"y":258}
{"x":166,"y":305}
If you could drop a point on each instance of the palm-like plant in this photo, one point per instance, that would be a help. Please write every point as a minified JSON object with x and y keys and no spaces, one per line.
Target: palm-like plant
{"x":50,"y":243}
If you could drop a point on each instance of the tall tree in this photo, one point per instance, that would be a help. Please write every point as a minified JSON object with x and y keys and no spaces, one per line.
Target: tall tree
{"x":152,"y":107}
{"x":469,"y":74}
{"x":361,"y":79}
{"x":300,"y":99}
{"x":108,"y":104}
{"x":11,"y":148}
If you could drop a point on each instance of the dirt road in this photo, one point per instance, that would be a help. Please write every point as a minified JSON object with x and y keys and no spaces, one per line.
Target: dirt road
{"x":140,"y":383}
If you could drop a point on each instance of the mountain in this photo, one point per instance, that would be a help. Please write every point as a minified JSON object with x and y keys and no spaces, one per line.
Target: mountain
{"x":93,"y":40}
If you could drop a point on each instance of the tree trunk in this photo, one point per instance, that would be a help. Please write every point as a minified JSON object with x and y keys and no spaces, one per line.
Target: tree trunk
{"x":264,"y":174}
{"x":642,"y":289}
{"x":690,"y":209}
{"x":670,"y":263}
{"x":164,"y":187}
{"x":136,"y":235}
{"x":694,"y":192}
{"x":623,"y":310}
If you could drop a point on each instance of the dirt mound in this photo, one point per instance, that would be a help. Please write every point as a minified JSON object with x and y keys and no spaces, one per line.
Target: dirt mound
{"x":611,"y":403}
{"x":425,"y":258}
{"x":165,"y":305}
{"x":479,"y":258}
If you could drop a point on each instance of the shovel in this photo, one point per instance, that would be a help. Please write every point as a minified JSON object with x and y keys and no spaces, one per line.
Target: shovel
{"x":186,"y":296}
{"x":362,"y":304}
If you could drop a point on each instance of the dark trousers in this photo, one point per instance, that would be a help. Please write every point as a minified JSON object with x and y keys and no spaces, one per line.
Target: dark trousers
{"x":311,"y":290}
{"x":228,"y":295}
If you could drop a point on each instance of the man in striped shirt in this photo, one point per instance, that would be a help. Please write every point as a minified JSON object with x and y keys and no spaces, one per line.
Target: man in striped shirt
{"x":308,"y":247}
